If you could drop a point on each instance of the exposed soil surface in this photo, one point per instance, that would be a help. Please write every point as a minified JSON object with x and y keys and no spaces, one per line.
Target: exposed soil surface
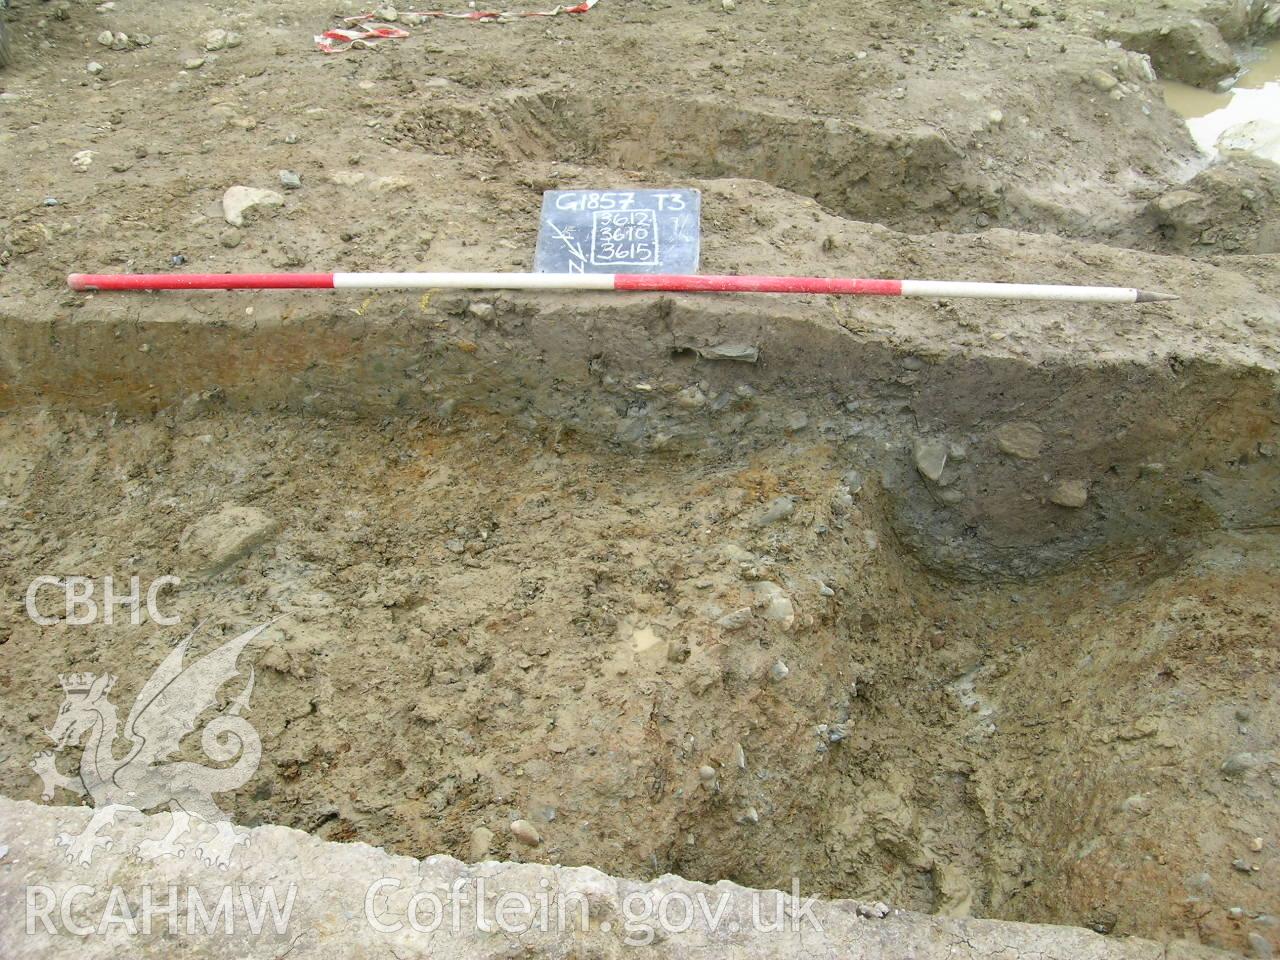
{"x":479,"y":627}
{"x":556,"y":559}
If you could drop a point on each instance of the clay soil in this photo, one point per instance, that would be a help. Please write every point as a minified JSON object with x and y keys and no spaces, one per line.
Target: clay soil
{"x":486,"y":612}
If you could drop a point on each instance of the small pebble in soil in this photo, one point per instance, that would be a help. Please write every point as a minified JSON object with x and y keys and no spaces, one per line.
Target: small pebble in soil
{"x":691,"y":398}
{"x":390,"y":184}
{"x":930,"y":457}
{"x":94,"y":67}
{"x":1020,"y":439}
{"x":1240,"y":765}
{"x":735,"y":619}
{"x":779,"y":671}
{"x":1072,"y":494}
{"x":290,"y":180}
{"x":1103,"y":80}
{"x":221,"y":39}
{"x":240,"y":203}
{"x":223,"y":537}
{"x":777,"y":509}
{"x":525,"y":832}
{"x":775,"y":604}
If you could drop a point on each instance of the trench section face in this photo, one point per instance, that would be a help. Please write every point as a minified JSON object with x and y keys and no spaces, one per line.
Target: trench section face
{"x":751,"y":592}
{"x":907,"y":172}
{"x":722,"y":671}
{"x":991,"y":467}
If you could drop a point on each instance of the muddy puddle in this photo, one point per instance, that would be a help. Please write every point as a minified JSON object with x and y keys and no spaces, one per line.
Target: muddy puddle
{"x":1245,"y":117}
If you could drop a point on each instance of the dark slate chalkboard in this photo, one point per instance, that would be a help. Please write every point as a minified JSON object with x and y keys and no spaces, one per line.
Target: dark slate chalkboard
{"x":619,"y":231}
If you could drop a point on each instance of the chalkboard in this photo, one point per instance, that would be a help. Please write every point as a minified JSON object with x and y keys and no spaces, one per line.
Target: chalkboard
{"x":619,"y":231}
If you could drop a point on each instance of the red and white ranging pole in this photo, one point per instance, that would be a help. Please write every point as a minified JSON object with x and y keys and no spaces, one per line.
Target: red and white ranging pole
{"x":674,"y":283}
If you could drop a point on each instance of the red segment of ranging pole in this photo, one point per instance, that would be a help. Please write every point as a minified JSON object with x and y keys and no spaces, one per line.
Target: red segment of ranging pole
{"x":675,"y":283}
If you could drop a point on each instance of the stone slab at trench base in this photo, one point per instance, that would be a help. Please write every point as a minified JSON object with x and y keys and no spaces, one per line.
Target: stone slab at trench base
{"x":328,"y":917}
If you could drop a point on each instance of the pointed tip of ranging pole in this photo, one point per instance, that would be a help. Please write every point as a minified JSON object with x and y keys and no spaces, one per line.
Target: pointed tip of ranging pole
{"x":1147,"y":296}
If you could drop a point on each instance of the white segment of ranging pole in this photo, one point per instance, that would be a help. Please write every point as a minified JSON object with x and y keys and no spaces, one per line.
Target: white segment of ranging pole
{"x":1027,"y":291}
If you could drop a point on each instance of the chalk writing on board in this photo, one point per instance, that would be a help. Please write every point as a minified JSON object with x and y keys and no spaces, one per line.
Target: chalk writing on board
{"x":629,"y":238}
{"x":619,"y":231}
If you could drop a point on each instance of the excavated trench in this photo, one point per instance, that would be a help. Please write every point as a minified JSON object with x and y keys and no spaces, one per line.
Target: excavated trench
{"x":559,"y":562}
{"x":901,"y":170}
{"x":962,"y":606}
{"x":914,"y":180}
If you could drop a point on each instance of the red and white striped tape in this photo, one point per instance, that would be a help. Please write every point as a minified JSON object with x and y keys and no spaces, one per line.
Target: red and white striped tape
{"x":339,"y":40}
{"x":336,"y":41}
{"x":678,"y":283}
